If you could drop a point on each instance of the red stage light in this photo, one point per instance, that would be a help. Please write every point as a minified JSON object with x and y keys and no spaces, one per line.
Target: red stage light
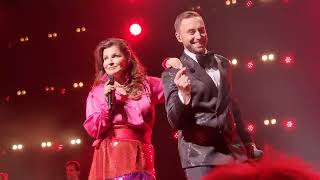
{"x":250,"y":128}
{"x":58,"y":147}
{"x":289,"y":124}
{"x":249,"y":4}
{"x":175,"y":135}
{"x":135,"y":29}
{"x":63,"y":91}
{"x":250,"y":65}
{"x":7,"y":99}
{"x":288,"y":59}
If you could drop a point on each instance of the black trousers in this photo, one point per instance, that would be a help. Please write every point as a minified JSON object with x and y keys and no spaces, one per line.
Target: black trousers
{"x":197,"y":173}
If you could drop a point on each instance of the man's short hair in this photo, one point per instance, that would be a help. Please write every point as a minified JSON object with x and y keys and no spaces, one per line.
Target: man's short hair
{"x":182,"y":16}
{"x":75,"y":163}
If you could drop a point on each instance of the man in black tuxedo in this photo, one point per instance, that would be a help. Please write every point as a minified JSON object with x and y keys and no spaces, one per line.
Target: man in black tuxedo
{"x":200,"y":106}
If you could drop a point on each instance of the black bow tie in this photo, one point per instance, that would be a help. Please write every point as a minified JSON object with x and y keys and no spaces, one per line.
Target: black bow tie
{"x":207,"y":60}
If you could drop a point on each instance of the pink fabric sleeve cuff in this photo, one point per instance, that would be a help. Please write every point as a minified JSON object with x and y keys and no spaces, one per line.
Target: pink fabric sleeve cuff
{"x":164,"y":63}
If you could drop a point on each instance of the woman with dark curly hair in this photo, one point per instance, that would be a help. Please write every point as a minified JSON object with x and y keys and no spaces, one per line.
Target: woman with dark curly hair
{"x":122,"y":128}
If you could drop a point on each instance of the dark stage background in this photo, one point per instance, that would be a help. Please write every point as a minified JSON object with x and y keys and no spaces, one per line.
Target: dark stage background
{"x":269,"y":90}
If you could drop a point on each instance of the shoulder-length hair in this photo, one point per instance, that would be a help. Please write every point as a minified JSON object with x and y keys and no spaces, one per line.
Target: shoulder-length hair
{"x":135,"y":73}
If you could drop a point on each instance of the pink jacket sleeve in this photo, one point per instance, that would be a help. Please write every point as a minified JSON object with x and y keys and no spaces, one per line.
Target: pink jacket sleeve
{"x":97,"y":115}
{"x":156,"y":87}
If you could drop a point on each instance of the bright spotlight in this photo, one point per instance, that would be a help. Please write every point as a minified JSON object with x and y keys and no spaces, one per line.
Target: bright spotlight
{"x":264,"y":57}
{"x":75,"y":85}
{"x":20,"y":146}
{"x":19,"y":93}
{"x":78,"y":141}
{"x":266,"y":122}
{"x":271,"y":57}
{"x":234,"y":61}
{"x":49,"y":144}
{"x":14,"y":147}
{"x":273,"y":121}
{"x":73,"y":141}
{"x":80,"y":84}
{"x":43,"y":144}
{"x":135,"y":29}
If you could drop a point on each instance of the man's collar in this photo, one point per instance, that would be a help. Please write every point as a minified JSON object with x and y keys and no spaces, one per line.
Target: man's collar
{"x":191,"y":54}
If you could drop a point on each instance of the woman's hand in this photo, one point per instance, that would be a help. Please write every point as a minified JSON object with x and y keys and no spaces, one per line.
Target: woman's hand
{"x":108,"y":88}
{"x":174,"y":63}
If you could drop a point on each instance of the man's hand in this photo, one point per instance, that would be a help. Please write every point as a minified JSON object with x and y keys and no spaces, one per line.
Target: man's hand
{"x":183,"y":84}
{"x":253,"y":152}
{"x":173,"y":62}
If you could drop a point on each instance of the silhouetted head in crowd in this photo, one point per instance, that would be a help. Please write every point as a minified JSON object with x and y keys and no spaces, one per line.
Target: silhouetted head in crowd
{"x":72,"y":170}
{"x":274,"y":166}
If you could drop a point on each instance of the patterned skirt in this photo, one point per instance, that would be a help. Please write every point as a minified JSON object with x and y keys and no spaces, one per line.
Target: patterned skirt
{"x":119,"y":159}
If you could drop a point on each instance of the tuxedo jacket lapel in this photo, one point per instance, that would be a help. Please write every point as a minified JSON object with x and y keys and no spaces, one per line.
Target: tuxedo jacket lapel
{"x":222,"y":81}
{"x":224,"y":87}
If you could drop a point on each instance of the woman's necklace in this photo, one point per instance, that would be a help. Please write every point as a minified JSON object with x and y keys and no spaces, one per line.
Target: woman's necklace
{"x":119,"y":85}
{"x":121,"y":88}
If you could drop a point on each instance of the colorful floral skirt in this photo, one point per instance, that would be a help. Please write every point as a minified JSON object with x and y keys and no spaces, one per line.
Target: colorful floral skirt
{"x":118,"y":159}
